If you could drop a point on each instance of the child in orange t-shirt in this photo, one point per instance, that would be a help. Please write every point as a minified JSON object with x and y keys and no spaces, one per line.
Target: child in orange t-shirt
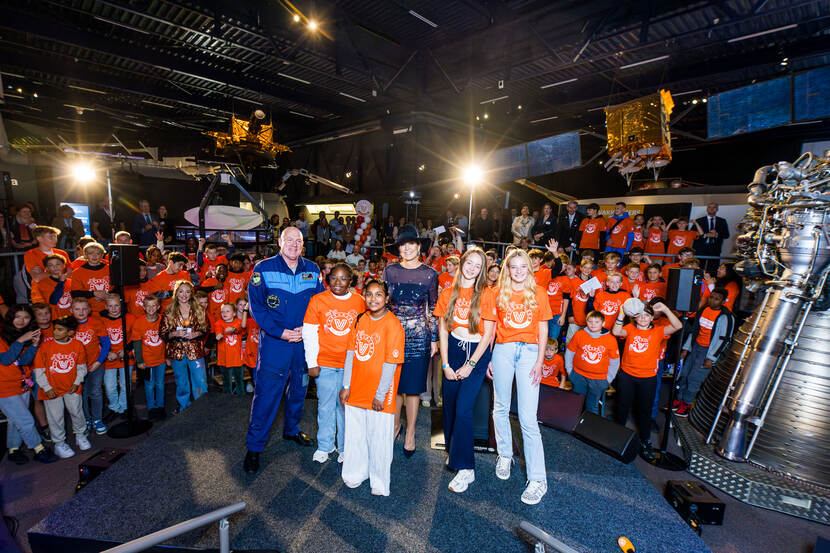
{"x":148,"y":348}
{"x":592,"y":360}
{"x":92,"y":279}
{"x":114,"y":364}
{"x":328,"y":320}
{"x":682,"y":236}
{"x":609,"y":301}
{"x":553,"y":367}
{"x":229,"y":331}
{"x":445,"y":279}
{"x":56,"y":288}
{"x":250,"y":349}
{"x":59,"y":368}
{"x":654,"y":286}
{"x":559,"y":298}
{"x":591,"y":229}
{"x":370,"y":385}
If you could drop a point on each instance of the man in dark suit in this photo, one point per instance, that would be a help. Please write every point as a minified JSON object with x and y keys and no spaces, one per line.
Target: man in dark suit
{"x":715,"y":231}
{"x":545,"y":227}
{"x":145,"y":225}
{"x":567,"y":230}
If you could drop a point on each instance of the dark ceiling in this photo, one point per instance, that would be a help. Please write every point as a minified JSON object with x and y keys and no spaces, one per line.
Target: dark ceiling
{"x":161,"y":71}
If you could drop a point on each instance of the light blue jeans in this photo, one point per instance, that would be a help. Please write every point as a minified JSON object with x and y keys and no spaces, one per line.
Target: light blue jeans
{"x":514,"y":360}
{"x":21,"y":427}
{"x":190,"y":377}
{"x":154,"y":387}
{"x":331,"y":417}
{"x":93,"y":395}
{"x":116,"y":389}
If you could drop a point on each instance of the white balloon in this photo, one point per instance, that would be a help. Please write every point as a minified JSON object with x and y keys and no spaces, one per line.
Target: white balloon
{"x":358,"y":232}
{"x":363,"y":225}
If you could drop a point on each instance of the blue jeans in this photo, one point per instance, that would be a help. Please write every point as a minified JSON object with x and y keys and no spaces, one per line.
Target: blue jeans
{"x":190,"y":377}
{"x":591,"y":388}
{"x":21,"y":427}
{"x":154,"y":387}
{"x":459,"y":401}
{"x":692,"y":374}
{"x":515,"y":360}
{"x":116,"y":396}
{"x":554,"y":329}
{"x":331,"y":417}
{"x":93,"y":395}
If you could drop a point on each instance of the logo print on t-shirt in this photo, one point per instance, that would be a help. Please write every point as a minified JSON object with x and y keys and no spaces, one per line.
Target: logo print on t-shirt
{"x":617,"y":229}
{"x":62,"y":363}
{"x":553,"y":288}
{"x":116,"y":334}
{"x":547,"y":370}
{"x":639,"y":344}
{"x":592,"y":354}
{"x":139,"y":297}
{"x":638,"y":236}
{"x":590,"y":228}
{"x":648,"y":293}
{"x":99,"y":284}
{"x":66,"y":300}
{"x":231,"y":339}
{"x":518,"y":316}
{"x":655,"y":237}
{"x":151,"y":338}
{"x":679,"y":241}
{"x":217,"y":296}
{"x":236,"y":285}
{"x":610,"y":307}
{"x":364,"y":346}
{"x":461,"y":314}
{"x":84,"y":336}
{"x":340,"y":322}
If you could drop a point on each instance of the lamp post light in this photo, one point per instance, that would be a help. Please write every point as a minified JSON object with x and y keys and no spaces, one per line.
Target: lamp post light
{"x":472,"y":177}
{"x":85,"y":173}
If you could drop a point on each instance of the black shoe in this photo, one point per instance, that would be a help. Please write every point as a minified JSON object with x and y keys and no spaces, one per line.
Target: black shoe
{"x":45,"y":434}
{"x":408,"y":452}
{"x":300,"y":437}
{"x":45,"y":456}
{"x":177,"y":410}
{"x":18,"y":457}
{"x":251,"y":464}
{"x":647,"y":451}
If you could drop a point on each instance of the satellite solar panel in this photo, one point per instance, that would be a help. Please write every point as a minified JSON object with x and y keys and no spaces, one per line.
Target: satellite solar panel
{"x":751,"y":108}
{"x":507,"y":164}
{"x":812,"y":99}
{"x":552,"y":154}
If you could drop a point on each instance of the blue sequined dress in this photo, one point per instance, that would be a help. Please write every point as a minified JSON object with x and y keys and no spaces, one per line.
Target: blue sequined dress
{"x":412,"y":297}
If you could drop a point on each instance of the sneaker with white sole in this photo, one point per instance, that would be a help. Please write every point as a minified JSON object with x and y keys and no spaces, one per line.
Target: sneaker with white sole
{"x":83,"y":442}
{"x":534,"y":492}
{"x":503,"y":467}
{"x":100,"y":427}
{"x":64,"y":451}
{"x":320,"y":456}
{"x":340,"y":457}
{"x":462,"y":480}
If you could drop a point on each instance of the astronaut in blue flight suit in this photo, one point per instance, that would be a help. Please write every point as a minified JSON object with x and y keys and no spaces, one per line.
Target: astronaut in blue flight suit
{"x":278,"y":294}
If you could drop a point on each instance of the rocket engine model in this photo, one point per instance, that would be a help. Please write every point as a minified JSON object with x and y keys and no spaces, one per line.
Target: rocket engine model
{"x":767,"y":400}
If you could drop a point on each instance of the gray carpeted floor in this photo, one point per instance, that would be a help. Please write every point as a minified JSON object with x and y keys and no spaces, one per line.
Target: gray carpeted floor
{"x":193,"y":464}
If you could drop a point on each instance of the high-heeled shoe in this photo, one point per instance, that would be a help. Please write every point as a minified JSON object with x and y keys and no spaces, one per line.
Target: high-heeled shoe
{"x":398,"y":434}
{"x":408,"y":452}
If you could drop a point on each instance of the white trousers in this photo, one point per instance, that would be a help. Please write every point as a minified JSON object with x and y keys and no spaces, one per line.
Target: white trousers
{"x":54,"y":414}
{"x":368,"y":448}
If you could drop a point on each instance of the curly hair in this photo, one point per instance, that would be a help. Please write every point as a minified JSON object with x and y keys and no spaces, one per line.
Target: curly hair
{"x":173,"y":313}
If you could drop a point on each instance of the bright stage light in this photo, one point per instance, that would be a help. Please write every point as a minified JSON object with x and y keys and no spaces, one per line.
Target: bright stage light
{"x":296,"y":18}
{"x":312,"y":25}
{"x":83,"y":172}
{"x":473,"y":175}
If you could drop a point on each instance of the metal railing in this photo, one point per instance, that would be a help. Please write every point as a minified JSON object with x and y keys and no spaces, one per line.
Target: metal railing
{"x":542,"y":539}
{"x":161,"y":536}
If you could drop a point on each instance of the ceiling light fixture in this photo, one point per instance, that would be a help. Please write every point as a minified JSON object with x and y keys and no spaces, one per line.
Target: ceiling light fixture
{"x":352,"y":97}
{"x":687,"y":92}
{"x":762,"y":33}
{"x":302,"y":114}
{"x":544,"y":119}
{"x":493,"y":100}
{"x":597,"y":108}
{"x":157,"y":104}
{"x":486,"y":116}
{"x":296,"y":18}
{"x":413,"y":13}
{"x":312,"y":24}
{"x":87,"y":89}
{"x":402,"y":130}
{"x":559,"y":83}
{"x":635,"y":64}
{"x":293,"y":78}
{"x":12,"y":74}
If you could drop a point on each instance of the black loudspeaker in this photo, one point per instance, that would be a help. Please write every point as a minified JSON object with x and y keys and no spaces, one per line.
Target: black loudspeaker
{"x":609,"y":437}
{"x":123,"y":259}
{"x":558,"y":408}
{"x":683,"y":289}
{"x":690,"y":498}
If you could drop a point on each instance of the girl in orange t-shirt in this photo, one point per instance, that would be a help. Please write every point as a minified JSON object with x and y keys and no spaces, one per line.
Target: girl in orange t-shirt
{"x":229,"y":330}
{"x":682,"y":236}
{"x":466,"y":313}
{"x":521,"y":336}
{"x":328,"y":320}
{"x":370,"y":385}
{"x":591,"y":228}
{"x":655,"y":228}
{"x":654,"y":286}
{"x":637,"y":379}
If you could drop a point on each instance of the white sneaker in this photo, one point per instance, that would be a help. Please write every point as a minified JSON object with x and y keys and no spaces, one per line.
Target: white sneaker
{"x":340,"y":457}
{"x":64,"y":451}
{"x":534,"y":492}
{"x":320,"y":456}
{"x":83,"y":442}
{"x":352,"y":484}
{"x":464,"y":478}
{"x":503,"y":467}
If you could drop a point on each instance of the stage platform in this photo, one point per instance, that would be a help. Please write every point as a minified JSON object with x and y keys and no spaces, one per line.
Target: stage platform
{"x":192,"y":464}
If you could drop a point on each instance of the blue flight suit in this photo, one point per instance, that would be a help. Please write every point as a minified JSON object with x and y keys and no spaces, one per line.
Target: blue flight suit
{"x":278,"y":299}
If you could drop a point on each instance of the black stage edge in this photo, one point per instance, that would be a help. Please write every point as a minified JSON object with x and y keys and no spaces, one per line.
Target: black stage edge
{"x":192,"y":464}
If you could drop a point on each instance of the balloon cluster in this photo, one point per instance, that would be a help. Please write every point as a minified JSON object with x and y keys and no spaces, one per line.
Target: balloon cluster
{"x":363,"y":227}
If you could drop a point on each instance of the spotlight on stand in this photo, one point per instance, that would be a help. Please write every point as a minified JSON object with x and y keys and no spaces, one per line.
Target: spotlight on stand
{"x":412,"y":199}
{"x":83,"y":172}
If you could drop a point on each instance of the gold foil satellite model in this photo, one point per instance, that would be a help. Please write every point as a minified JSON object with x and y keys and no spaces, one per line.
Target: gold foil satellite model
{"x":252,"y":140}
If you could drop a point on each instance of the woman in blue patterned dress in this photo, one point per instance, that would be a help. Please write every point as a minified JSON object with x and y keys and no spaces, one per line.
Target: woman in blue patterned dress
{"x":413,"y":291}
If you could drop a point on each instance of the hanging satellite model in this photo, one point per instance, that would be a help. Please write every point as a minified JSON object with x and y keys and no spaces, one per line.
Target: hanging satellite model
{"x":638,"y":135}
{"x":250,"y":143}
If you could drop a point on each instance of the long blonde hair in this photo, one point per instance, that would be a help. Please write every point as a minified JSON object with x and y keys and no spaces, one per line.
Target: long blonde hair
{"x":506,"y":283}
{"x":172,"y":313}
{"x":478,"y":285}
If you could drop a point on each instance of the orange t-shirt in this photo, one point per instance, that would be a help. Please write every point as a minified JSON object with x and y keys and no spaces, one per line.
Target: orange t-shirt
{"x":638,"y":239}
{"x":88,"y":335}
{"x":251,"y":354}
{"x":707,"y":323}
{"x":437,"y":264}
{"x":680,"y":239}
{"x":116,"y":336}
{"x":592,"y":355}
{"x":542,"y":277}
{"x":11,"y":376}
{"x":235,"y":285}
{"x":152,"y":346}
{"x":654,"y":241}
{"x":34,"y":258}
{"x":651,"y":290}
{"x":208,"y":268}
{"x":643,"y":350}
{"x":601,"y":275}
{"x":229,"y":348}
{"x":375,"y":343}
{"x":553,"y":370}
{"x":444,"y":281}
{"x":42,"y":291}
{"x":87,"y":279}
{"x":609,"y":304}
{"x":135,"y":298}
{"x":518,"y":323}
{"x":591,"y":229}
{"x":619,"y":234}
{"x":579,"y":301}
{"x":60,"y":363}
{"x":165,"y":282}
{"x":461,"y":312}
{"x":557,"y":288}
{"x":732,"y":291}
{"x":335,"y":317}
{"x":664,"y":272}
{"x":45,"y":333}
